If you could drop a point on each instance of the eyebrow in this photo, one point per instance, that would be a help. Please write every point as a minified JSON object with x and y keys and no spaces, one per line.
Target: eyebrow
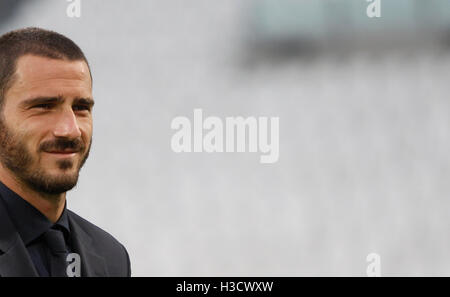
{"x":55,"y":100}
{"x":85,"y":101}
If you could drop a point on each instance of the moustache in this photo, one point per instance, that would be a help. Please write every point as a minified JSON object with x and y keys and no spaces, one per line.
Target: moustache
{"x":61,"y":144}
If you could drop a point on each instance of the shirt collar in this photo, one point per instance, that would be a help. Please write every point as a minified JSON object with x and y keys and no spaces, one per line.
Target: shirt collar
{"x":29,"y":221}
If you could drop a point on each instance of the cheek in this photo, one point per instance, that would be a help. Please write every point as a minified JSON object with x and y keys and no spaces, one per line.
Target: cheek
{"x":31,"y":142}
{"x":86,"y":129}
{"x":24,"y":144}
{"x":31,"y":136}
{"x":31,"y":131}
{"x":86,"y":136}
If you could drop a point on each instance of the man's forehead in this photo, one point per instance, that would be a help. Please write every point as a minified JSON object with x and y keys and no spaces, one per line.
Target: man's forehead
{"x":35,"y":74}
{"x":31,"y":67}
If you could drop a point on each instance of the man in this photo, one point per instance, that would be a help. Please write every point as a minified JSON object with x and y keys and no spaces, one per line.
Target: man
{"x":45,"y":137}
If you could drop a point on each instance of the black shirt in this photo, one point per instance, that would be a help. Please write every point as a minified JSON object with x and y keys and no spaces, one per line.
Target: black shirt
{"x":31,"y":225}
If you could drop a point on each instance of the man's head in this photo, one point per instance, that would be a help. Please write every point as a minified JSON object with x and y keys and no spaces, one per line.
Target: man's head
{"x":45,"y":109}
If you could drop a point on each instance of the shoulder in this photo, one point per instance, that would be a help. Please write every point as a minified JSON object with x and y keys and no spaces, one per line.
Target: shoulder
{"x":105,"y":244}
{"x":96,"y":233}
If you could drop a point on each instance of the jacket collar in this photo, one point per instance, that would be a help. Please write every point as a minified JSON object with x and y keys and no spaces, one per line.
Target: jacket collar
{"x":14,"y":258}
{"x":92,"y":264}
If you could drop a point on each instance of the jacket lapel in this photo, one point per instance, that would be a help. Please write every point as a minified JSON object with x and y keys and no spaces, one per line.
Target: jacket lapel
{"x":92,"y":264}
{"x":14,"y":258}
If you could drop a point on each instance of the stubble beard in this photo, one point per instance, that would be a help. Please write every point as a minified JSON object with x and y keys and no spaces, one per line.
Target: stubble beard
{"x":15,"y":156}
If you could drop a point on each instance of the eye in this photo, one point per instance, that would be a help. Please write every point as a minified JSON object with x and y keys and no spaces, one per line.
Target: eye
{"x":43,"y":106}
{"x":81,"y":107}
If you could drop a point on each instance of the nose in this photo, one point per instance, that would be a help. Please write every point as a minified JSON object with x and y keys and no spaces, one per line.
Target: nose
{"x":66,"y":125}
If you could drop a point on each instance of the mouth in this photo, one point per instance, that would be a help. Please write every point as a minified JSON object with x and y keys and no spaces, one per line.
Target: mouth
{"x":62,"y":153}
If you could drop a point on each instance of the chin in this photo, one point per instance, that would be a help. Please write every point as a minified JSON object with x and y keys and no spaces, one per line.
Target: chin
{"x":63,"y":176}
{"x":52,"y":183}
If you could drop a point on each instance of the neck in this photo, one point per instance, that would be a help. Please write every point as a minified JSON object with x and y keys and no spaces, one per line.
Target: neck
{"x":51,"y":206}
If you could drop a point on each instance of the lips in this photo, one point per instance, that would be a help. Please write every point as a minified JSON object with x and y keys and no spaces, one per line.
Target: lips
{"x":63,"y":152}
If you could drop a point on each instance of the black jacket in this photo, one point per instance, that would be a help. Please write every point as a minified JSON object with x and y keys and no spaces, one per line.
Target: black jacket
{"x":100,"y":253}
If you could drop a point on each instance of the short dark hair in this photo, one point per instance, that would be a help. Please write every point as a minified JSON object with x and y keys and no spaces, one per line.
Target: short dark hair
{"x":35,"y":41}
